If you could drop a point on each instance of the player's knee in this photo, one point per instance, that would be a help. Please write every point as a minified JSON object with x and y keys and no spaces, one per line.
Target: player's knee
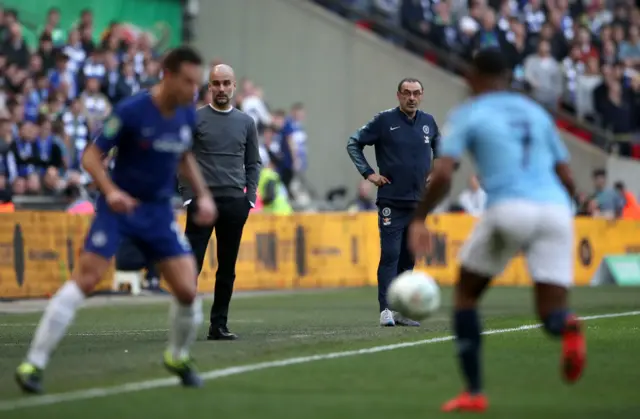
{"x":186,"y":295}
{"x":90,"y":270}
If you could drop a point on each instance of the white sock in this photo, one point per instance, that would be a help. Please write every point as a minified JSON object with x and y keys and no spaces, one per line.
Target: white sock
{"x":54,"y":323}
{"x":184,"y":321}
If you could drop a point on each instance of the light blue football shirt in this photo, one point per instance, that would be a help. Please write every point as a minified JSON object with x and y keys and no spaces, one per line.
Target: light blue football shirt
{"x":514,"y":144}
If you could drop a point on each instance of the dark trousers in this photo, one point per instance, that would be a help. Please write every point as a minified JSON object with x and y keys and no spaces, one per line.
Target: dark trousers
{"x":232,"y":216}
{"x":395,"y":256}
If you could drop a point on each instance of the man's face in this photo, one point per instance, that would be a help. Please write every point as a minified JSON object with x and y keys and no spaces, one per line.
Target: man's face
{"x":600,"y":182}
{"x":222,"y":86}
{"x":185,"y":82}
{"x":410,"y":96}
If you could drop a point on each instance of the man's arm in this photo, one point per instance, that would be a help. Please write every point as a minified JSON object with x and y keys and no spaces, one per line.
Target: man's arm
{"x":190,"y":171}
{"x":252,"y":162}
{"x":93,"y":156}
{"x":369,"y":134}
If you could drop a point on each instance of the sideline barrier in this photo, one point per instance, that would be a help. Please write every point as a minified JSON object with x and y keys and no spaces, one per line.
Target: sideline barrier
{"x":39,"y":249}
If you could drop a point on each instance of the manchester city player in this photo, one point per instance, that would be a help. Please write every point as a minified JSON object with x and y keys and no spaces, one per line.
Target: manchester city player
{"x":523,"y":167}
{"x":152,"y":132}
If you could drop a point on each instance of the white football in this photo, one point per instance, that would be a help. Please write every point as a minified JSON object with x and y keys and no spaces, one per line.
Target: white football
{"x":414,"y":294}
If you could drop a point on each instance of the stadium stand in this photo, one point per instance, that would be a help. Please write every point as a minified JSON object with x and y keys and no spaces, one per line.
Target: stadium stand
{"x":58,"y":83}
{"x":575,"y":57}
{"x":579,"y":58}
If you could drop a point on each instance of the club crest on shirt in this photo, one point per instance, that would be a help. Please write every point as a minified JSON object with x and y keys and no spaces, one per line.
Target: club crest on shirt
{"x":425,"y":129}
{"x":112,"y":126}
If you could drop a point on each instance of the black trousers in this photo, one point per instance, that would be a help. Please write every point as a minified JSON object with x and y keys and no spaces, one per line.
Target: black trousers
{"x":395,"y":256}
{"x":232,"y":216}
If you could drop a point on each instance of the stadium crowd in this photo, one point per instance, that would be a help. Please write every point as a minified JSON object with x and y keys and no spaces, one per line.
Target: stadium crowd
{"x":579,"y":55}
{"x":54,"y":95}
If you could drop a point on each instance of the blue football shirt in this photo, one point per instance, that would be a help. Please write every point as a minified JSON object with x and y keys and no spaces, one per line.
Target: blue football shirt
{"x":514,"y":144}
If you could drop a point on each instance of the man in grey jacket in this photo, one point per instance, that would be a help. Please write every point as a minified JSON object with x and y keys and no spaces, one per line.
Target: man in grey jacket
{"x":226,"y":147}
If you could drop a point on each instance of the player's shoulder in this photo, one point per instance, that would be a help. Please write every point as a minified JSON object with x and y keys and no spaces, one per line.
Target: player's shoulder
{"x":136,"y":101}
{"x":384,"y":115}
{"x":427,"y":116}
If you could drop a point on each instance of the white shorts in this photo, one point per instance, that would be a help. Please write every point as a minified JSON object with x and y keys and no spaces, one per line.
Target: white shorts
{"x":542,"y":232}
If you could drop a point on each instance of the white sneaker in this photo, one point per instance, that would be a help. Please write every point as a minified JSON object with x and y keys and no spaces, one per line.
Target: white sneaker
{"x":386,"y":318}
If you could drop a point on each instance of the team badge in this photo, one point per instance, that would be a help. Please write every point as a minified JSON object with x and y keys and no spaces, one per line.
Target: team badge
{"x":386,"y":212}
{"x":425,"y":129}
{"x":112,"y":126}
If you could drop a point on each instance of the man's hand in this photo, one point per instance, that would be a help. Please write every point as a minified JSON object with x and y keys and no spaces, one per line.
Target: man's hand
{"x":419,"y":239}
{"x":206,"y":211}
{"x":377,"y":179}
{"x":120,"y":201}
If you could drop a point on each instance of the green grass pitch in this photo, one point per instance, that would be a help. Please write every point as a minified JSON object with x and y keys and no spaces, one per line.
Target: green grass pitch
{"x":111,"y":346}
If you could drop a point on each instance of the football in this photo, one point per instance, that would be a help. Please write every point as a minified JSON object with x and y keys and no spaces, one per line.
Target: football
{"x":414,"y":294}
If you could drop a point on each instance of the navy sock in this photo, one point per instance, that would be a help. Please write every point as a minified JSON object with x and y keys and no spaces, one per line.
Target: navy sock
{"x":554,"y":322}
{"x":467,"y":329}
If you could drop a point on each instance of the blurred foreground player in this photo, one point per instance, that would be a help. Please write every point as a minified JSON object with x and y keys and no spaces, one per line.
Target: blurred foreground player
{"x":152,"y":131}
{"x":523,"y":166}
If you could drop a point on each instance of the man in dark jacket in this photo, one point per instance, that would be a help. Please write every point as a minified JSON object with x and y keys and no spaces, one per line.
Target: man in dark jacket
{"x":405,"y":141}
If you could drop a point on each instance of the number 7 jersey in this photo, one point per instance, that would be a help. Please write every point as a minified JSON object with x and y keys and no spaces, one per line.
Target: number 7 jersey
{"x":514,"y":144}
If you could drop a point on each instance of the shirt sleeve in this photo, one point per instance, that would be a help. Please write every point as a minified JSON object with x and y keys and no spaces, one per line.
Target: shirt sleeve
{"x":369,"y":134}
{"x":112,"y":130}
{"x":435,"y":140}
{"x":456,"y":136}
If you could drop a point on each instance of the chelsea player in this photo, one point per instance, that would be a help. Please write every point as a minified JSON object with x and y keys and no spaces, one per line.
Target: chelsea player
{"x":523,"y":166}
{"x":152,"y":132}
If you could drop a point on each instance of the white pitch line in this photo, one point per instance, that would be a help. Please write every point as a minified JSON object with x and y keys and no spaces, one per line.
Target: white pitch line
{"x":100,"y":392}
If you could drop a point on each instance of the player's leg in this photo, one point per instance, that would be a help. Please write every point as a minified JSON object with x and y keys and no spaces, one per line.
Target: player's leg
{"x":100,"y":245}
{"x":550,"y":263}
{"x":391,"y":231}
{"x":406,"y":262}
{"x":166,"y":244}
{"x":484,"y":256}
{"x":197,"y":235}
{"x":234,"y":213}
{"x":185,"y":317}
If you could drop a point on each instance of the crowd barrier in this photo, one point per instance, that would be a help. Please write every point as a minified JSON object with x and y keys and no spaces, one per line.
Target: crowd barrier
{"x":39,"y":249}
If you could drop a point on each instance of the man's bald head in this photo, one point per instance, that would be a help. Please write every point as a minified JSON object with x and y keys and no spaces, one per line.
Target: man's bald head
{"x":222,"y":85}
{"x":222,"y":71}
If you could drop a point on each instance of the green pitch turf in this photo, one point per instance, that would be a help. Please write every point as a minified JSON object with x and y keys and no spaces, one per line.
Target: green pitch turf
{"x":112,"y":346}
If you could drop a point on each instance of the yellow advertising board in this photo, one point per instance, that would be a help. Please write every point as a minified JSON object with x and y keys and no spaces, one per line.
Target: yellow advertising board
{"x":38,"y":250}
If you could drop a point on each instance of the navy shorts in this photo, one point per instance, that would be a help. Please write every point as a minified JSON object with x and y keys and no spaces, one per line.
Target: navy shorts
{"x":152,"y":227}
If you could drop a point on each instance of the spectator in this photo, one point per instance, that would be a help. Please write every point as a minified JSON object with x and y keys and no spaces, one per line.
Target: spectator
{"x":585,"y":86}
{"x":25,"y":151}
{"x":608,"y":201}
{"x":50,"y":157}
{"x":544,"y":75}
{"x":95,"y":103}
{"x":631,"y":209}
{"x":363,"y":201}
{"x":473,"y":200}
{"x":630,"y":48}
{"x":15,"y":48}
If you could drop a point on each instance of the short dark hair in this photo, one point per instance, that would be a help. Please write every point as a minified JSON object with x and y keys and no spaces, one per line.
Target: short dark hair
{"x":409,"y":80}
{"x":599,"y":173}
{"x":490,"y":62}
{"x":619,"y":185}
{"x":180,"y":55}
